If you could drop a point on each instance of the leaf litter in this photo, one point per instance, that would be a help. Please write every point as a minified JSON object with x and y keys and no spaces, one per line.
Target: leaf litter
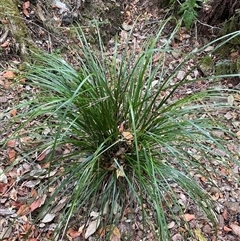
{"x":13,"y":189}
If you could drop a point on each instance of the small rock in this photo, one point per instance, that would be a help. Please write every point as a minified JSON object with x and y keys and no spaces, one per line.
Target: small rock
{"x":234,"y":207}
{"x":181,"y":74}
{"x":171,"y":225}
{"x":177,"y":237}
{"x":207,"y":229}
{"x":235,"y":228}
{"x":228,"y":115}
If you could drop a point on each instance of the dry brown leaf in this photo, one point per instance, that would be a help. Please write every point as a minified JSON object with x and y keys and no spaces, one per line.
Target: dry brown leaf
{"x":121,"y":127}
{"x":237,"y":97}
{"x":119,"y":173}
{"x":23,"y":210}
{"x":216,"y":196}
{"x":7,"y":85}
{"x":5,"y":44}
{"x":115,"y":235}
{"x":11,"y":143}
{"x":4,"y":21}
{"x":11,"y":154}
{"x":22,"y":80}
{"x":33,"y":193}
{"x":92,"y":227}
{"x":203,"y":179}
{"x":227,"y":229}
{"x":224,"y":171}
{"x":73,"y":233}
{"x":3,"y":187}
{"x":128,"y":14}
{"x":102,"y":232}
{"x":157,"y":57}
{"x":8,"y":74}
{"x":225,"y":214}
{"x":13,"y":112}
{"x":188,"y":217}
{"x":27,"y":227}
{"x":13,"y":194}
{"x":42,"y":156}
{"x":214,"y":238}
{"x":235,"y":228}
{"x":234,"y":54}
{"x":36,"y":204}
{"x":127,"y":135}
{"x":48,"y":218}
{"x":26,"y":5}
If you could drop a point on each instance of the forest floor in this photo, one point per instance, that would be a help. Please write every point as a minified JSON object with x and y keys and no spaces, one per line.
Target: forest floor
{"x":145,"y":18}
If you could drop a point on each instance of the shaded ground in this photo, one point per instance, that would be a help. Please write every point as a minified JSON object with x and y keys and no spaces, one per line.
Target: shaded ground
{"x":16,"y":190}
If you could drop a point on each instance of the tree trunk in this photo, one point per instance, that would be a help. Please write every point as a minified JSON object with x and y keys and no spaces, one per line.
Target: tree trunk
{"x":217,"y":12}
{"x":220,"y":17}
{"x":15,"y":26}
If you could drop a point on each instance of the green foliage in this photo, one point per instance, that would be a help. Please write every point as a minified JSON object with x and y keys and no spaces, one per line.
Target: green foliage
{"x":188,"y":10}
{"x":132,"y":144}
{"x":232,"y":24}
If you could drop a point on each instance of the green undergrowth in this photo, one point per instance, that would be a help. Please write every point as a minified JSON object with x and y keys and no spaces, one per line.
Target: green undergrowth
{"x":131,"y":145}
{"x":187,"y":9}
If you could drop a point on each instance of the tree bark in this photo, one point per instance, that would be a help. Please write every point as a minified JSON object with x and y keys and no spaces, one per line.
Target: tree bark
{"x":9,"y":14}
{"x":217,"y":12}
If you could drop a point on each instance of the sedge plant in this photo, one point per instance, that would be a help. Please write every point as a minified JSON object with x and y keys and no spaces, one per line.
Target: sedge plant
{"x":133,"y":145}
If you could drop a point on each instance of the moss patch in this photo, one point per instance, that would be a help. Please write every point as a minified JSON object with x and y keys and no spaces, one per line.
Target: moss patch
{"x":10,"y":13}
